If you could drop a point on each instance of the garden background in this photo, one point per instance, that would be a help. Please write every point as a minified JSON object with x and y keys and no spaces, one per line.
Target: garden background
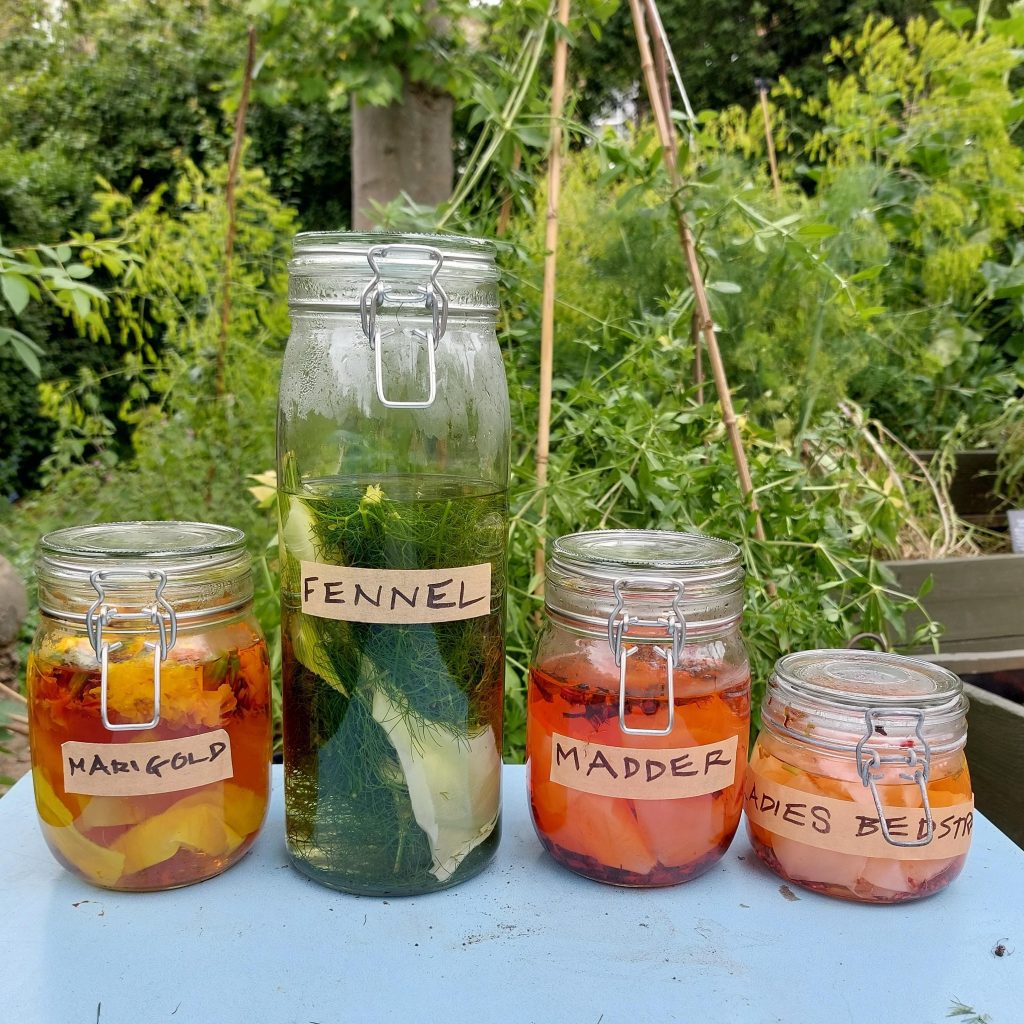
{"x":868,"y":307}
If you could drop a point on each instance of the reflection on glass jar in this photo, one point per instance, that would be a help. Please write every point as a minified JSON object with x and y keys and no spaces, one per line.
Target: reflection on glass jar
{"x":858,"y":786}
{"x":149,"y":703}
{"x":639,"y":706}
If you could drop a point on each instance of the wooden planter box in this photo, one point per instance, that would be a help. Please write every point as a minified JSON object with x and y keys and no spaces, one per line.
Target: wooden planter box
{"x":980,"y":601}
{"x":995,"y":752}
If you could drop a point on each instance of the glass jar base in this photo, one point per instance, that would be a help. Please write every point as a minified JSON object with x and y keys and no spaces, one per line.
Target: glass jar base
{"x":324,"y":872}
{"x":660,"y":877}
{"x":862,"y":891}
{"x":152,"y":880}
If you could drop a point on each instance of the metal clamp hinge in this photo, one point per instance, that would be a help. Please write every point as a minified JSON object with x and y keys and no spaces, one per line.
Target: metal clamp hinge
{"x":869,"y":763}
{"x":433,"y":297}
{"x":101,"y":614}
{"x":619,"y":622}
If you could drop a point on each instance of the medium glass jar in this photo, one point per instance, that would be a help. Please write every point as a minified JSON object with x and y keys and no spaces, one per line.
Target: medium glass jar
{"x":858,"y":786}
{"x":639,"y":705}
{"x":149,"y":702}
{"x":393,"y":444}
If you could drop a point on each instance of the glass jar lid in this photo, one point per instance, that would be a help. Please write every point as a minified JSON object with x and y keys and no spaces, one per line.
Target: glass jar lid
{"x":198,"y":568}
{"x":647,"y":574}
{"x":335,"y":270}
{"x":835,"y":698}
{"x":867,"y":679}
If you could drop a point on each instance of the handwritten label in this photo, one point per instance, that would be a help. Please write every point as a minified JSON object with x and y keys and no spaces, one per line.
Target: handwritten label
{"x":643,"y":773}
{"x":849,"y":827}
{"x":396,"y":595}
{"x":134,"y":769}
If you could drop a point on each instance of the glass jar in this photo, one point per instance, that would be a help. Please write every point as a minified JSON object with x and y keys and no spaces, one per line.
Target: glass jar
{"x":393,"y":445}
{"x":149,"y":702}
{"x":858,"y":786}
{"x":638,"y":710}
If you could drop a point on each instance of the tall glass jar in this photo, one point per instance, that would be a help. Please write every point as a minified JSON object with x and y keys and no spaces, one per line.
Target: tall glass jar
{"x":639,"y":705}
{"x":149,"y":702}
{"x":858,"y":786}
{"x":393,"y":444}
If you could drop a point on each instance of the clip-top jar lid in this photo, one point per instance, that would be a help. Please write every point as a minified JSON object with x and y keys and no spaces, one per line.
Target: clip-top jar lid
{"x":660,"y":571}
{"x":607,"y":551}
{"x":825,"y":697}
{"x":204,"y":566}
{"x":868,"y":679}
{"x":330,"y":270}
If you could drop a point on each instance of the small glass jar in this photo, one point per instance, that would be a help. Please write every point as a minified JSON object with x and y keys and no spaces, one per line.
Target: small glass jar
{"x":149,"y":703}
{"x":857,"y":785}
{"x":639,"y":705}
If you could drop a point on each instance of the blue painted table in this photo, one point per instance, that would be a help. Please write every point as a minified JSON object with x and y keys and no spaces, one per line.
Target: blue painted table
{"x":526,"y":941}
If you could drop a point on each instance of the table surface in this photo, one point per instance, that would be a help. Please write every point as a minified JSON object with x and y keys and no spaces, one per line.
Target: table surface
{"x":525,"y":941}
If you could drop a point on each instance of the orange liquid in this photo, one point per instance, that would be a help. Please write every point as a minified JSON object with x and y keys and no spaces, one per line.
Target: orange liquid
{"x":636,"y":842}
{"x":218,"y":679}
{"x":847,"y":875}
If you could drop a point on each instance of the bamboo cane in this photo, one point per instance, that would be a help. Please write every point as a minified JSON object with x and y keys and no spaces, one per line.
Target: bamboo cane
{"x":762,"y":91}
{"x":229,"y":198}
{"x":13,"y":694}
{"x":703,"y":310}
{"x":547,"y":322}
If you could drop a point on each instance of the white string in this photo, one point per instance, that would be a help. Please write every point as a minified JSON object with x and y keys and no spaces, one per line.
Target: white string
{"x":663,"y":36}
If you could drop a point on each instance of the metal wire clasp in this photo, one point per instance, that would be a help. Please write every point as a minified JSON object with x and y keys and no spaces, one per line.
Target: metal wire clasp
{"x":101,"y":614}
{"x":618,"y":626}
{"x":869,"y":764}
{"x":432,"y":295}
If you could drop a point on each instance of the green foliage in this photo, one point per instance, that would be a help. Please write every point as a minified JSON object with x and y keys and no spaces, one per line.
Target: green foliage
{"x":914,"y":176}
{"x":889,"y":273}
{"x":56,"y":274}
{"x":722,"y":46}
{"x":632,"y":447}
{"x":340,"y":50}
{"x":165,"y":312}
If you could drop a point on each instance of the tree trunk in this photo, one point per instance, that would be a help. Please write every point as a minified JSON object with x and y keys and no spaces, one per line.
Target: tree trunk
{"x":404,"y":147}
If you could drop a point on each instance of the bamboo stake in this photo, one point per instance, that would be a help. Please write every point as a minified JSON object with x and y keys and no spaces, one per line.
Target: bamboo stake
{"x":703,"y":311}
{"x":661,"y":71}
{"x":654,"y":16}
{"x":13,"y":694}
{"x":15,"y":727}
{"x":229,"y":243}
{"x":547,"y":322}
{"x":762,"y":91}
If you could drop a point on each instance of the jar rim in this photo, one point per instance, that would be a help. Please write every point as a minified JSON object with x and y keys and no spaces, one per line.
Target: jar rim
{"x":465,"y":248}
{"x":144,"y":540}
{"x":604,"y":552}
{"x":862,"y":680}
